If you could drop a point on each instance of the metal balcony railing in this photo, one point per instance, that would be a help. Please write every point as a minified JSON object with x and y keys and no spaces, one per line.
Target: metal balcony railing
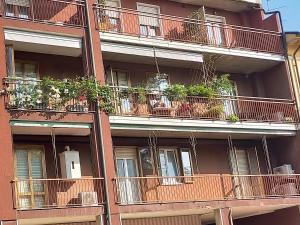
{"x":58,"y":193}
{"x":166,"y":27}
{"x":224,"y":108}
{"x":58,"y":12}
{"x":139,"y":190}
{"x":25,"y":94}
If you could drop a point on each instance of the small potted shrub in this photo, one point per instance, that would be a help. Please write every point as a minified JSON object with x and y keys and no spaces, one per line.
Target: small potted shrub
{"x":199,"y":97}
{"x":140,"y":95}
{"x":177,"y":94}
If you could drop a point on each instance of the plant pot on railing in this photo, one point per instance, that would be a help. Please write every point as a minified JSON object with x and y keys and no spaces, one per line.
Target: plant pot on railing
{"x":141,"y":109}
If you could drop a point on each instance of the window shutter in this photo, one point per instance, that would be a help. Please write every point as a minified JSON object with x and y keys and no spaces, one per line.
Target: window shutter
{"x":24,"y":3}
{"x":36,"y":164}
{"x":22,"y":164}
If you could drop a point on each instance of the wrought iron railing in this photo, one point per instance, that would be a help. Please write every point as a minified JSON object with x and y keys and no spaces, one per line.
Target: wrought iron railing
{"x":135,"y":23}
{"x":226,"y":108}
{"x":139,"y":190}
{"x":58,"y":12}
{"x":25,"y":94}
{"x":58,"y":193}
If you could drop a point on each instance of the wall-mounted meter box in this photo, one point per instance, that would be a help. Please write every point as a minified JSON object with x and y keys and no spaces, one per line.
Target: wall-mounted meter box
{"x":70,"y":164}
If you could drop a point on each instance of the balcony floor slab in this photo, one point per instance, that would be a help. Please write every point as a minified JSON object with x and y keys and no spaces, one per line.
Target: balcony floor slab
{"x":141,"y":126}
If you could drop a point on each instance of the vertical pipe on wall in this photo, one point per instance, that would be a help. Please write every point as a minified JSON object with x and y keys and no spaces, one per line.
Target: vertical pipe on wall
{"x":98,"y":119}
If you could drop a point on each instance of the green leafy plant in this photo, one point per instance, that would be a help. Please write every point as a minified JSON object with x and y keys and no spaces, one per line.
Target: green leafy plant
{"x":176,"y":92}
{"x":141,"y":92}
{"x":233,"y":118}
{"x":200,"y":90}
{"x":222,"y":85}
{"x":54,"y":94}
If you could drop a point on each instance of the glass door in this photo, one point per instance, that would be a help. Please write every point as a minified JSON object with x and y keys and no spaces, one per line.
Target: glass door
{"x":149,"y":19}
{"x":215,"y":29}
{"x":119,"y":81}
{"x":129,"y":190}
{"x":168,"y":166}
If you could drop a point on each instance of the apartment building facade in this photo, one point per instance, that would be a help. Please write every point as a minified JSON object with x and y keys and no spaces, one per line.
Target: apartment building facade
{"x":199,"y":126}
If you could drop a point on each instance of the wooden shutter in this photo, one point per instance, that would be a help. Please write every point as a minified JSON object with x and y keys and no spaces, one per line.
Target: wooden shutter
{"x":29,"y":164}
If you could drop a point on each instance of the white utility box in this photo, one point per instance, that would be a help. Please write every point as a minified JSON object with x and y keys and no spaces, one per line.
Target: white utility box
{"x":70,"y":164}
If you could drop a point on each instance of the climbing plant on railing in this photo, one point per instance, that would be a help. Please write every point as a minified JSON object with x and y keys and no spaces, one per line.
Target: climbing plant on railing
{"x":53,"y":94}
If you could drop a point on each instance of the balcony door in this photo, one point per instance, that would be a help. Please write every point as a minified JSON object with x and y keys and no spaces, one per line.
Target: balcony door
{"x":17,"y":8}
{"x":245,"y":162}
{"x":29,"y":169}
{"x":168,"y":165}
{"x":215,"y":29}
{"x":149,"y":20}
{"x":113,"y":15}
{"x":127,"y":171}
{"x":119,"y":81}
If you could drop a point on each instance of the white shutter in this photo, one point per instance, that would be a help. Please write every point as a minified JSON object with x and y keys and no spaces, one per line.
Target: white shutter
{"x":25,"y":3}
{"x":149,"y":15}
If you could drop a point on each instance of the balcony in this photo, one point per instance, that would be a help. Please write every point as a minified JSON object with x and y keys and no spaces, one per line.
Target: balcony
{"x":220,"y":108}
{"x":31,"y":194}
{"x":214,"y":187}
{"x":185,"y":30}
{"x":26,"y":94}
{"x":62,"y":13}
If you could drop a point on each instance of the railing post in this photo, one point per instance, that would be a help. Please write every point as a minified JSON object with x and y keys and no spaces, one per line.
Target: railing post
{"x":223,"y":186}
{"x":31,"y":5}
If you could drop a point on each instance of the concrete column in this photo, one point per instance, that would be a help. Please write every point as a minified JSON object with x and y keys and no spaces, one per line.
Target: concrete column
{"x":106,"y":142}
{"x":7,"y":211}
{"x":223,"y":216}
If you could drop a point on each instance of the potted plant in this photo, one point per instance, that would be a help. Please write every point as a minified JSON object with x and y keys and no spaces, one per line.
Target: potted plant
{"x":199,"y":96}
{"x":140,"y":98}
{"x":177,"y":94}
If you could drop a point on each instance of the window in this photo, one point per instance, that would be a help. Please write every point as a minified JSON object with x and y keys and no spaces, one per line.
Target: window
{"x":113,"y":14}
{"x":146,"y":162}
{"x":186,"y":162}
{"x":215,"y":29}
{"x":149,"y":19}
{"x":26,"y":70}
{"x":117,"y":78}
{"x":17,"y":8}
{"x":168,"y":166}
{"x":29,"y":164}
{"x":120,"y":81}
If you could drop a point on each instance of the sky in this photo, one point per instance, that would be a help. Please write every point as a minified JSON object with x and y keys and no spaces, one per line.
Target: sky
{"x":290,"y":12}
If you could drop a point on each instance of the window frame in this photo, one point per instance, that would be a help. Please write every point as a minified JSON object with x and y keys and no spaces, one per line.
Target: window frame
{"x":190,"y":160}
{"x":23,"y":62}
{"x":160,"y":27}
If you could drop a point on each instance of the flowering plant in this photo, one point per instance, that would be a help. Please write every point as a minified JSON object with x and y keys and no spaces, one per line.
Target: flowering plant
{"x":53,"y":94}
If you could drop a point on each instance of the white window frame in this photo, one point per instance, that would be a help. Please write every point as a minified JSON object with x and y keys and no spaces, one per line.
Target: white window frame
{"x":159,"y":16}
{"x":168,"y":180}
